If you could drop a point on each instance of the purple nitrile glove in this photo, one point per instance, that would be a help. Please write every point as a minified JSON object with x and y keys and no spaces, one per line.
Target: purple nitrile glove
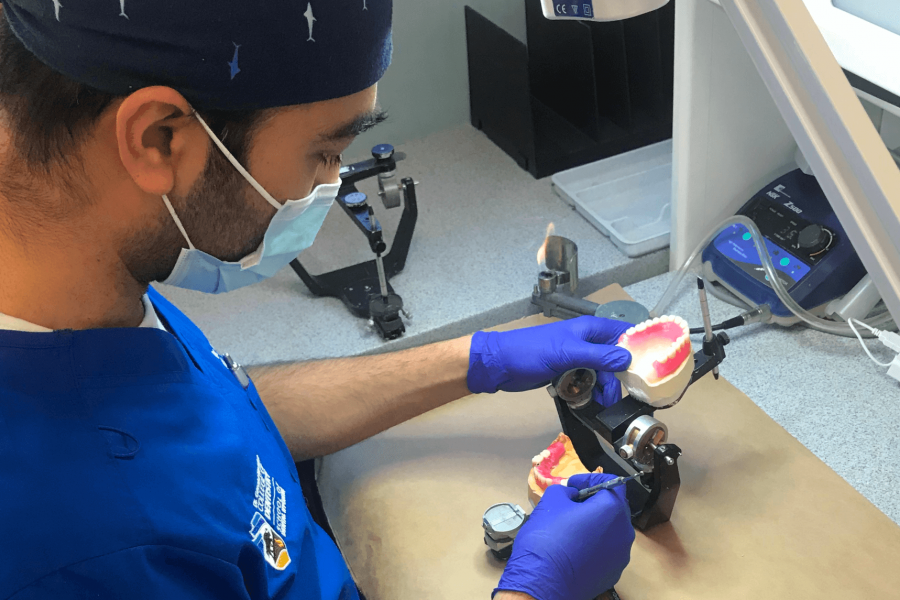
{"x":526,"y":359}
{"x":571,"y":550}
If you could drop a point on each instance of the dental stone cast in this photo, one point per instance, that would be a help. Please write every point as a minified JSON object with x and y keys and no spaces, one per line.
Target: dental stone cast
{"x":662,"y":360}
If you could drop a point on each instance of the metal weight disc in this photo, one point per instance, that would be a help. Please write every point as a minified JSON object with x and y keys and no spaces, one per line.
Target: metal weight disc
{"x":576,"y":387}
{"x":623,"y":310}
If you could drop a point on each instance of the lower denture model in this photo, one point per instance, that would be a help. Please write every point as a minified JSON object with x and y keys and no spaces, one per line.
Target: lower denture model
{"x":662,"y":360}
{"x":554,"y":466}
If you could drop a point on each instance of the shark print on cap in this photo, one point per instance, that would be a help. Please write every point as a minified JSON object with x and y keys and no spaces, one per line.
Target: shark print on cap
{"x":310,"y":19}
{"x":234,"y":61}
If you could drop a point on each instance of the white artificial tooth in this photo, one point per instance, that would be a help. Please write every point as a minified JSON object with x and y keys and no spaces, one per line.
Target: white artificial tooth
{"x":669,"y":318}
{"x":662,"y":359}
{"x":564,"y":481}
{"x":654,"y":321}
{"x":545,"y":454}
{"x":537,"y":460}
{"x":631,"y":332}
{"x":641,"y":327}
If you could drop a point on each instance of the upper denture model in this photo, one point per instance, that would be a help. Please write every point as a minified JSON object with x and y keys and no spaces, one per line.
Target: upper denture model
{"x":662,"y":360}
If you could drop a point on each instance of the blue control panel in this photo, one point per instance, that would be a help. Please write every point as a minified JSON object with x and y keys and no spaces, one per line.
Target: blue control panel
{"x":581,"y":10}
{"x":810,"y":250}
{"x":737,"y":244}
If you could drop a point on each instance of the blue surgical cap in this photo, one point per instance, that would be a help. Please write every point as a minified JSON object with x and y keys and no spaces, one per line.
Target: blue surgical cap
{"x":220,"y":54}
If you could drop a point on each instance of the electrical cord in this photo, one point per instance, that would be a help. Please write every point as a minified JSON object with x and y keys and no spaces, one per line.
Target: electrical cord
{"x":760,"y":314}
{"x":888,"y":338}
{"x":729,"y":324}
{"x":775,"y":282}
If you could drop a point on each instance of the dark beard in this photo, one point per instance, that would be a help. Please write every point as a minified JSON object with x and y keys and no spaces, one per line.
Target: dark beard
{"x":217,"y":214}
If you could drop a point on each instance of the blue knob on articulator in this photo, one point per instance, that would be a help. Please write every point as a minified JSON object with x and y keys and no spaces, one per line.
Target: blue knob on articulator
{"x":383,"y":151}
{"x":354,"y":199}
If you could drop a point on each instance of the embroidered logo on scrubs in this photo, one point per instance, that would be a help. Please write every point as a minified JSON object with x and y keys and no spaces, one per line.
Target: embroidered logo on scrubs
{"x":270,"y":503}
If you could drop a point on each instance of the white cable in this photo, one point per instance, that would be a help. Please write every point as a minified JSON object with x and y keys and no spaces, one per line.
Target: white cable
{"x":863,"y":343}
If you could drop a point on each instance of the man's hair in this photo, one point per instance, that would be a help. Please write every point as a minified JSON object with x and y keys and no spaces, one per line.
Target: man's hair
{"x":49,"y":115}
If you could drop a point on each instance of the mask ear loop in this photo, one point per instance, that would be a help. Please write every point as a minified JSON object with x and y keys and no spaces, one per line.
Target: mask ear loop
{"x":177,"y":221}
{"x":237,"y":165}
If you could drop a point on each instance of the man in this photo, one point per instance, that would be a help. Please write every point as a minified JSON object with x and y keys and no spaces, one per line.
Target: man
{"x":199,"y":144}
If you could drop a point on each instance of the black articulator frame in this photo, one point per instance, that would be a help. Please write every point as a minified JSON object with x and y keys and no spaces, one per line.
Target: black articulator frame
{"x":358,"y":285}
{"x":598,"y":432}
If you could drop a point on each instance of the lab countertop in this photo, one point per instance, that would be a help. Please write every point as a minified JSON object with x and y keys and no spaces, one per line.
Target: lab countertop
{"x":472,"y":263}
{"x":821,"y":388}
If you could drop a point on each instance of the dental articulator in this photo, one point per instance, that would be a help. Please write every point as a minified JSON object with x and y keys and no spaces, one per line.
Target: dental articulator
{"x":627,"y":439}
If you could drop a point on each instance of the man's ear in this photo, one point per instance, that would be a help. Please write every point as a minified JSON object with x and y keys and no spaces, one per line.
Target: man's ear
{"x":161,"y":145}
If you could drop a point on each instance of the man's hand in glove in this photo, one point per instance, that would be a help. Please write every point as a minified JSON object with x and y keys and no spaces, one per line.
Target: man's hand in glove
{"x":571,"y":550}
{"x":526,"y":359}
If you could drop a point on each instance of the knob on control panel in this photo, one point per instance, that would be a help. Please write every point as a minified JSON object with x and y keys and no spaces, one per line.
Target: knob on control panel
{"x":813,"y":238}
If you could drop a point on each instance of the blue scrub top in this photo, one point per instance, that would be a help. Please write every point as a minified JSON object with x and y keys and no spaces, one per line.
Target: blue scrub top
{"x":133,"y":464}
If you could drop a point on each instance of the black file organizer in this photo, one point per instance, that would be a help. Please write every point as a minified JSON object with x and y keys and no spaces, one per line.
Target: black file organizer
{"x":577,"y":92}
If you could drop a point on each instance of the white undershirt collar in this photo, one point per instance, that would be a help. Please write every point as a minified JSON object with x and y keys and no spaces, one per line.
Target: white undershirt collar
{"x":151,"y":319}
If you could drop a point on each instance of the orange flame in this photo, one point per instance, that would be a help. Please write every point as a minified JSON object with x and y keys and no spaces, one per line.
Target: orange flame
{"x":542,"y":251}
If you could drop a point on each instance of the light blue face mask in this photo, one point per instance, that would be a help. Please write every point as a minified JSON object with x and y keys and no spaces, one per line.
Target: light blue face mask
{"x":292,"y":230}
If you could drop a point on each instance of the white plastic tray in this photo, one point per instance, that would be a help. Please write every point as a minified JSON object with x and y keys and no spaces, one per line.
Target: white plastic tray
{"x":627,"y":197}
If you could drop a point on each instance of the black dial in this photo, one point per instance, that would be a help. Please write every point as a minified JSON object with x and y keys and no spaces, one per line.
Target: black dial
{"x":814,"y":238}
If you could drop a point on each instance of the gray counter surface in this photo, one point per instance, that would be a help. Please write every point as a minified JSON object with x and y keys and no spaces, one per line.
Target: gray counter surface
{"x":472,"y":263}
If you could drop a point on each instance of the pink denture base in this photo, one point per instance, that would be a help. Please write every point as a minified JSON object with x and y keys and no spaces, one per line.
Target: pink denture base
{"x":556,"y":450}
{"x":671,"y":366}
{"x":664,"y":330}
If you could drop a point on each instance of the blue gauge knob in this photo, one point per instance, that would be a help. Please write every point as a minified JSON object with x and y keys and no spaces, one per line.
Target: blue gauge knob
{"x":382,"y":151}
{"x":355,"y":199}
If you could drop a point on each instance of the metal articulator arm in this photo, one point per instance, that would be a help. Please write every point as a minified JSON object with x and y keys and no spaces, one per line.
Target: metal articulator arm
{"x":365,"y":288}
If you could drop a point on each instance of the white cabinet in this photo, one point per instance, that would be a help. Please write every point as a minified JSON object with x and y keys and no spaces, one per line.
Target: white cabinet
{"x":755,"y":79}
